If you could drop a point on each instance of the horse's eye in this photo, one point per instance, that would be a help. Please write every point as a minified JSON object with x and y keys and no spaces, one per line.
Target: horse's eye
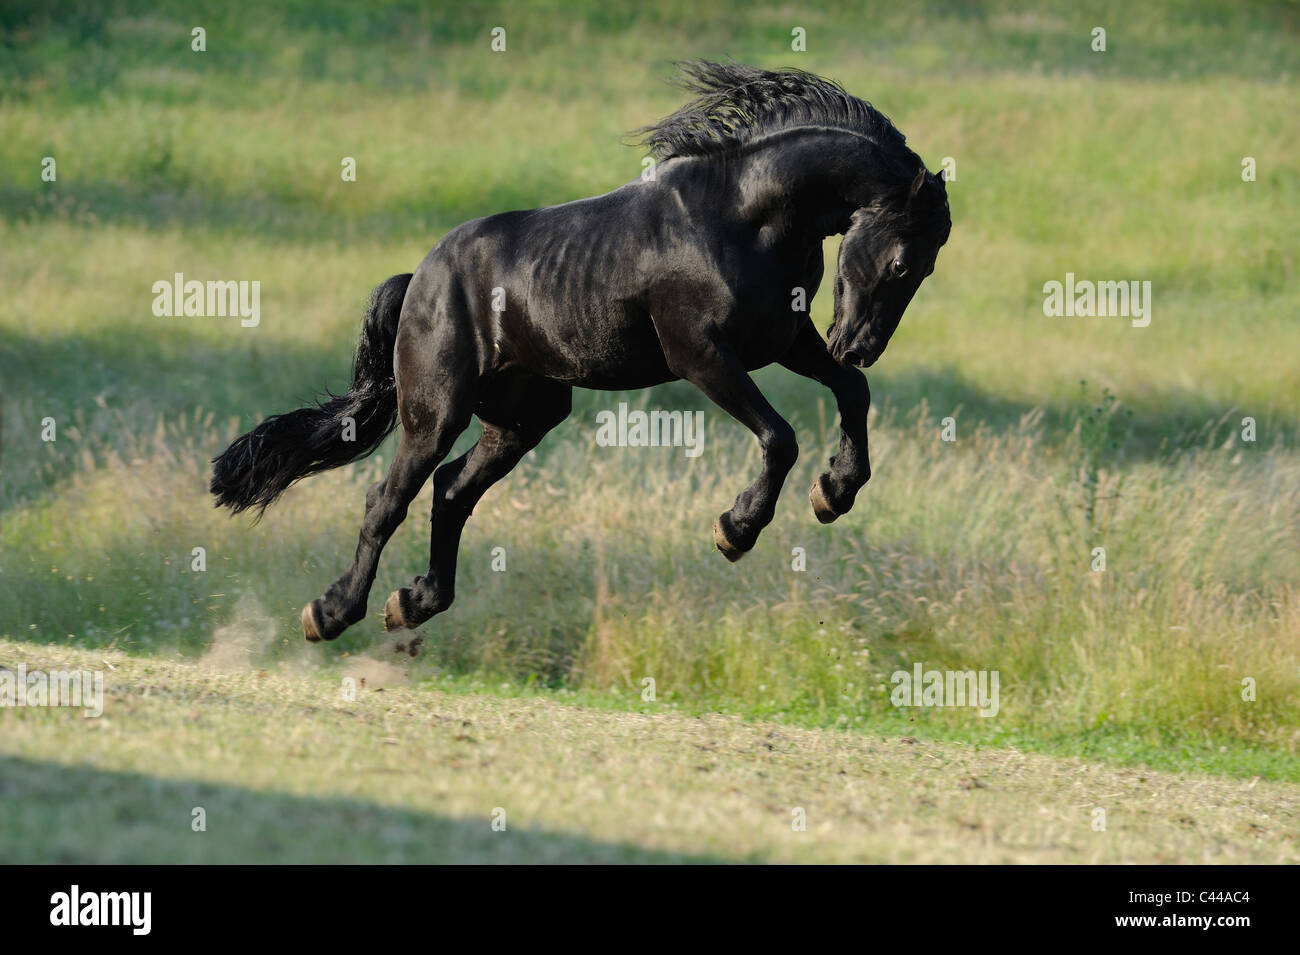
{"x":899,"y":268}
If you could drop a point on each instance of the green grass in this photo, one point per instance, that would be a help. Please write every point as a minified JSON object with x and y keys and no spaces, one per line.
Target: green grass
{"x":970,"y":555}
{"x":290,"y":767}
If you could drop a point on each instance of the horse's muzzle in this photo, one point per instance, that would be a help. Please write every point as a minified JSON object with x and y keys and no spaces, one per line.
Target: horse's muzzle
{"x":853,"y":359}
{"x":860,"y":354}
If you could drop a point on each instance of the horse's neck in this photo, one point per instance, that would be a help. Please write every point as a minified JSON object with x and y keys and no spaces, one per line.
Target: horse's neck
{"x":803,"y":184}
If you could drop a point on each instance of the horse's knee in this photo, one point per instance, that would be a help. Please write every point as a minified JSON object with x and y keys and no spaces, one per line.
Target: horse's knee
{"x":781,"y":449}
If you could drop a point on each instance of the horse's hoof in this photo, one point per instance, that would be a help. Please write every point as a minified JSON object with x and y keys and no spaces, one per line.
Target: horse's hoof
{"x":393,"y":619}
{"x":821,"y":507}
{"x":310,"y":629}
{"x":720,"y":540}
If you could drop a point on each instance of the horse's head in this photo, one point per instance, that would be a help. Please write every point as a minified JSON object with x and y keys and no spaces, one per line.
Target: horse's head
{"x":887,"y":252}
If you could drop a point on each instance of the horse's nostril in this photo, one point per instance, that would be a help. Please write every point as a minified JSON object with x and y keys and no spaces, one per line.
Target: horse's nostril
{"x":852,"y":358}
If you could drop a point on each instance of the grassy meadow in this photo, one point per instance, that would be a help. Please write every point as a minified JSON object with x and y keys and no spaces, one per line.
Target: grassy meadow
{"x":287,"y":771}
{"x":1070,"y":433}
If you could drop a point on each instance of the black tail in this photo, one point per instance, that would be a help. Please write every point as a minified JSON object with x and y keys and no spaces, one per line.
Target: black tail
{"x":259,"y":466}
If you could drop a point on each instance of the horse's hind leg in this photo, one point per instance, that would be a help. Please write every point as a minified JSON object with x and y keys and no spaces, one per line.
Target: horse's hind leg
{"x":516,"y":416}
{"x":833,"y":492}
{"x":431,"y":422}
{"x":344,"y":603}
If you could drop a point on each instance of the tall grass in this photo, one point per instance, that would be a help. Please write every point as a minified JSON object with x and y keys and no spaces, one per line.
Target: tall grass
{"x":975,"y":554}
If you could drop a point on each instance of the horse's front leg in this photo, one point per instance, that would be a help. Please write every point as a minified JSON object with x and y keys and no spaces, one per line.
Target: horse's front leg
{"x":833,"y":492}
{"x":717,"y":372}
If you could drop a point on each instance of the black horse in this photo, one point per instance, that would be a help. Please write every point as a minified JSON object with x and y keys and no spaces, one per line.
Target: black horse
{"x":689,"y":272}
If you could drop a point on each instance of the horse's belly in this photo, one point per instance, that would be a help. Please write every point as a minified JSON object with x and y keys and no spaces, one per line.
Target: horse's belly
{"x":611,"y":350}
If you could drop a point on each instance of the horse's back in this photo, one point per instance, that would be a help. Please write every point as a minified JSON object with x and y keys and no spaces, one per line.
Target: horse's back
{"x":559,"y":290}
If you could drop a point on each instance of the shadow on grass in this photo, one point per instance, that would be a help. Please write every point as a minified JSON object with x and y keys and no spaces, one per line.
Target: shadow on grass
{"x":1161,"y":421}
{"x":157,"y":203}
{"x":168,"y":373}
{"x":65,"y":815}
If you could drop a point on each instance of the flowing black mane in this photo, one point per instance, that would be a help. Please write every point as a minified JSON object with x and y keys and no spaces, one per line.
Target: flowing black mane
{"x":739,"y":103}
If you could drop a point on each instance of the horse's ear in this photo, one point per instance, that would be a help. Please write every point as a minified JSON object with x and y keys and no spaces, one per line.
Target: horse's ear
{"x":917,"y":183}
